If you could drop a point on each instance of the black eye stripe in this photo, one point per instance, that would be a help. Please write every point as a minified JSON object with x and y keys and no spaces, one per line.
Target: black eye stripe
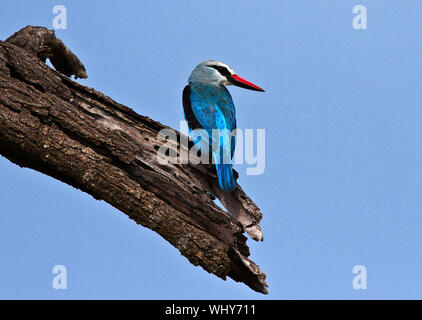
{"x":223,"y":70}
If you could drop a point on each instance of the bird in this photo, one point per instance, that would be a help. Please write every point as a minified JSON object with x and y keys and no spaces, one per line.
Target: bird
{"x":208,"y":105}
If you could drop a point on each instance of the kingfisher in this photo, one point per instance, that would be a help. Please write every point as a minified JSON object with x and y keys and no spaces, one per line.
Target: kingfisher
{"x":208,"y":105}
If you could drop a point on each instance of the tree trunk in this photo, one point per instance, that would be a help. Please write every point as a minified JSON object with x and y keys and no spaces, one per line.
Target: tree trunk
{"x":77,"y":135}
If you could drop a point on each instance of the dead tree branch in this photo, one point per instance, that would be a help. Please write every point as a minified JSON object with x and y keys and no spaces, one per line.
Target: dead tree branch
{"x":79,"y":136}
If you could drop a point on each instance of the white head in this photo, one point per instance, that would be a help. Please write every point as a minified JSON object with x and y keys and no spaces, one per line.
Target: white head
{"x":217,"y":72}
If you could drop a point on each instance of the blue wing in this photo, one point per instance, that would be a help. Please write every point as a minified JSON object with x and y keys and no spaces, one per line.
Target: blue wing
{"x":211,"y":107}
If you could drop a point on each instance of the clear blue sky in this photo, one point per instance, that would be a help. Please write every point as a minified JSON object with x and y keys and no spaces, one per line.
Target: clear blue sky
{"x":343,"y":117}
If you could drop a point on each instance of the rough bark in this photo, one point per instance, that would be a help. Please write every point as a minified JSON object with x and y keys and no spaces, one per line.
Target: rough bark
{"x":77,"y":135}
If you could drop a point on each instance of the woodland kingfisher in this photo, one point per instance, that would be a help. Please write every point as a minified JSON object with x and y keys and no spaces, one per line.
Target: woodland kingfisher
{"x":208,"y":105}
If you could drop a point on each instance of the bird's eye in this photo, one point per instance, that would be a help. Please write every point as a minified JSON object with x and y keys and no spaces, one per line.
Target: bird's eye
{"x":222,"y":70}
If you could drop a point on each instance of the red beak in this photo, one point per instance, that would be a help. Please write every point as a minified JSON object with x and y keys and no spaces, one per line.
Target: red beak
{"x":243,"y":83}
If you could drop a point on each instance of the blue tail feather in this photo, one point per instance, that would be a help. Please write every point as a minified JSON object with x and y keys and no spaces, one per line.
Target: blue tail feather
{"x":225,"y":176}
